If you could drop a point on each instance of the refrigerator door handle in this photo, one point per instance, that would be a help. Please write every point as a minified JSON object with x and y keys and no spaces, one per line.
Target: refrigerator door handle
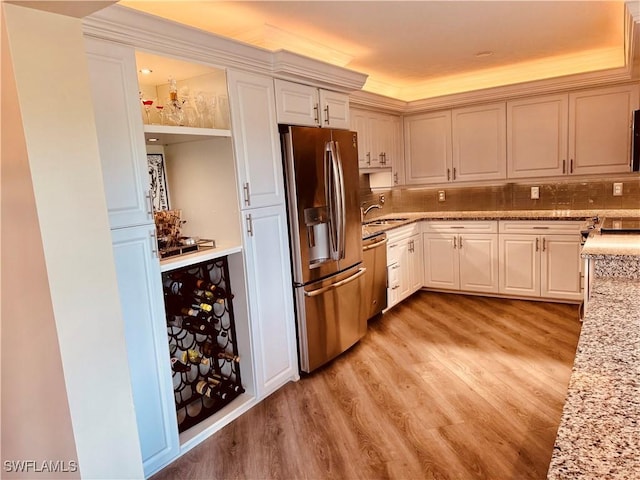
{"x":330,"y":195}
{"x":341,"y":195}
{"x":320,"y":291}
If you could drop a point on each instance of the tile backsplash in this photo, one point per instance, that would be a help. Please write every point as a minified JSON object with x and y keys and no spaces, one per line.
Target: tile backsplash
{"x":554,"y":195}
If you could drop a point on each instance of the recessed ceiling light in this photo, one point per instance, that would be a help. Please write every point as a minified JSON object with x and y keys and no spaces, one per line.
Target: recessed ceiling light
{"x":152,"y":139}
{"x":146,"y":71}
{"x":485,"y":53}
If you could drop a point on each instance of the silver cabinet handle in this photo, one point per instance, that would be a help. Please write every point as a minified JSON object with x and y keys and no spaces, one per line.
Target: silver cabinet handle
{"x":368,"y":158}
{"x":571,"y":166}
{"x":395,"y":178}
{"x":454,"y":173}
{"x":537,"y":244}
{"x":149,"y":204}
{"x":541,"y":228}
{"x":544,"y":244}
{"x":460,"y":241}
{"x":249,"y":221}
{"x":350,"y":279}
{"x":154,"y":244}
{"x":448,"y":174}
{"x":316,"y":113}
{"x":395,"y":287}
{"x":564,"y":166}
{"x":247,"y":197}
{"x":457,"y":226}
{"x":393,"y":245}
{"x":326,"y":111}
{"x":454,"y":242}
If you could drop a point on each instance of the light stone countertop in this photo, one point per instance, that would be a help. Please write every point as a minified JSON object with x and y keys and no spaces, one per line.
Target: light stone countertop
{"x":411,"y":217}
{"x":599,"y":435}
{"x":611,"y":244}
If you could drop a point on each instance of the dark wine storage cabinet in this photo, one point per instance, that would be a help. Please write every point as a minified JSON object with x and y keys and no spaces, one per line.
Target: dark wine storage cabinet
{"x":202,"y":340}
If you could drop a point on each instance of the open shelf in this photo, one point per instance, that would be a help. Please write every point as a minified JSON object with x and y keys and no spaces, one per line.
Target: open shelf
{"x":169,"y":135}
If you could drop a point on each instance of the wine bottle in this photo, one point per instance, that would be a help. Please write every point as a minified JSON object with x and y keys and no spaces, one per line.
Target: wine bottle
{"x":229,"y":356}
{"x":211,"y":388}
{"x":176,"y":305}
{"x":198,"y":325}
{"x":207,"y":296}
{"x":191,"y":282}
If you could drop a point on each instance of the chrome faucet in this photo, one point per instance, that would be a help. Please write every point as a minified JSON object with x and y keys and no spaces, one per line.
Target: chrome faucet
{"x":364,"y":211}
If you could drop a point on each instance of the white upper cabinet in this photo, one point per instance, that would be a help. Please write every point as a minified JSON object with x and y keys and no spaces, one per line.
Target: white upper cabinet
{"x":256,"y":139}
{"x":585,"y":132}
{"x":537,"y":136}
{"x":379,"y":138}
{"x":427,"y":147}
{"x":463,"y":144}
{"x":479,"y":142}
{"x":114,"y":87}
{"x":600,"y":129}
{"x":298,"y":104}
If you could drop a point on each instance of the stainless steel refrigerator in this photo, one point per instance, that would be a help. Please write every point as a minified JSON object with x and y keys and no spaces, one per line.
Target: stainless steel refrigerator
{"x":325,"y":229}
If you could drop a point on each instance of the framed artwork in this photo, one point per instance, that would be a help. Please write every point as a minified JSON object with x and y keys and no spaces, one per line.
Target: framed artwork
{"x":158,"y":182}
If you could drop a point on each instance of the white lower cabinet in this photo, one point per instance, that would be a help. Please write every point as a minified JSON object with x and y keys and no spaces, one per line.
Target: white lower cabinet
{"x":404,"y":261}
{"x":141,"y":299}
{"x":540,"y":259}
{"x":270,"y":297}
{"x":461,"y":255}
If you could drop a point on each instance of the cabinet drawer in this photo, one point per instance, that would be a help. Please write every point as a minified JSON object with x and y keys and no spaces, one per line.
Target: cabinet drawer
{"x":404,"y":231}
{"x":460,"y":226}
{"x":537,"y":227}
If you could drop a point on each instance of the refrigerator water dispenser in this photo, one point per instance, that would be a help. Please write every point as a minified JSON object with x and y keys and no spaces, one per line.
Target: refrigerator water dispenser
{"x":317,"y":222}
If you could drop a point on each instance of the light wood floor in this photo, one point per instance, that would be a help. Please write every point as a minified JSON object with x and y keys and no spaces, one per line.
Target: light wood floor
{"x":443,"y":386}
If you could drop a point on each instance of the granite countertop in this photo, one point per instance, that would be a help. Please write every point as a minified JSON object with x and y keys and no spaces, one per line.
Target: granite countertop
{"x":599,"y":435}
{"x":411,"y":217}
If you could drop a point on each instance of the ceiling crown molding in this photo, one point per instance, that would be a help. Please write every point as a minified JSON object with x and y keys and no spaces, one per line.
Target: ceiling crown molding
{"x":163,"y":37}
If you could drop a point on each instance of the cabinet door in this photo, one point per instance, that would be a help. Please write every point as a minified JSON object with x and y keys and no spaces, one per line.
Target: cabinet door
{"x":441,"y":262}
{"x":519,"y":264}
{"x":387,"y":140}
{"x":478,"y":262}
{"x":416,"y":263}
{"x":599,"y":129}
{"x":427,"y":148}
{"x":270,"y":297}
{"x":114,"y":88}
{"x":297,"y":104}
{"x":141,"y":299}
{"x":393,"y":284}
{"x":479,"y":142}
{"x":256,"y":139}
{"x":360,"y":123}
{"x":404,"y":271}
{"x":334,"y":109}
{"x":560,"y":267}
{"x":537,"y":136}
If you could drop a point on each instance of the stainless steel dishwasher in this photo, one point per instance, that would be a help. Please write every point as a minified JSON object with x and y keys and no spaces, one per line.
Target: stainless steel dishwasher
{"x":374,"y":259}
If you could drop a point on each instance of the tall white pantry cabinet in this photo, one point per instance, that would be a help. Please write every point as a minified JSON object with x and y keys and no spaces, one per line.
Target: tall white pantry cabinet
{"x":265,"y":246}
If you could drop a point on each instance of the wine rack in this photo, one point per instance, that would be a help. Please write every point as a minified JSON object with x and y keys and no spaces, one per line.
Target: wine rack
{"x":202,"y":340}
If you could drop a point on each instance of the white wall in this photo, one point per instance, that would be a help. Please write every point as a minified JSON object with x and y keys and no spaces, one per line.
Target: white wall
{"x":54,"y":98}
{"x":36,"y":423}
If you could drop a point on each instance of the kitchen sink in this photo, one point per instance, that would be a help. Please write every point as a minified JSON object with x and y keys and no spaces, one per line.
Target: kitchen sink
{"x":386,"y":221}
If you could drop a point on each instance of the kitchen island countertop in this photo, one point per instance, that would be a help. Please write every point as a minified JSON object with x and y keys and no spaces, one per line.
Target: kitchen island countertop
{"x":599,"y":434}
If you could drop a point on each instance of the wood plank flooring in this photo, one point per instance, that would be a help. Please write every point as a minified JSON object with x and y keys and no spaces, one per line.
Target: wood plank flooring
{"x":442,"y":387}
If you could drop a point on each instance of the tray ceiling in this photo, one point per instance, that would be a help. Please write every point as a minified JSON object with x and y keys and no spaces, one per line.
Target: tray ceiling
{"x":422,"y":49}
